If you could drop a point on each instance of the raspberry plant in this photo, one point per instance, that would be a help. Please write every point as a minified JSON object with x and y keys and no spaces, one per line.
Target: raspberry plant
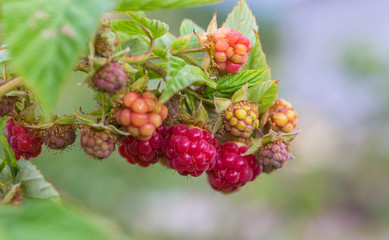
{"x":214,"y":109}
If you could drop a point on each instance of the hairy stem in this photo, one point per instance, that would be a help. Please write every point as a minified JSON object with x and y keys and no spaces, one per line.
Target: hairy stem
{"x":10,"y":85}
{"x":160,"y":71}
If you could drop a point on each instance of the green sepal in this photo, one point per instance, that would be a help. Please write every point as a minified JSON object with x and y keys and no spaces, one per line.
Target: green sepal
{"x":16,"y":94}
{"x":256,"y":144}
{"x":6,"y":75}
{"x":289,"y":136}
{"x":3,"y":164}
{"x":221,"y":104}
{"x":269,"y":137}
{"x":10,"y":157}
{"x":241,"y":95}
{"x":65,"y":120}
{"x":119,"y":55}
{"x":29,"y":113}
{"x":41,"y":125}
{"x":212,"y":26}
{"x":128,"y":68}
{"x":201,"y":115}
{"x":141,"y":83}
{"x":218,"y":125}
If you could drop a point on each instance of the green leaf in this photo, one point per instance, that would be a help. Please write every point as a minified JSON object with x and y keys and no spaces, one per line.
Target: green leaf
{"x":138,"y":45}
{"x":9,"y":156}
{"x":45,"y":38}
{"x":159,"y":4}
{"x":181,"y":75}
{"x":3,"y":164}
{"x":156,"y":27}
{"x":162,"y":53}
{"x":128,"y":29}
{"x":165,"y":41}
{"x":33,"y":182}
{"x":187,"y":27}
{"x":242,"y":20}
{"x":265,"y":93}
{"x":4,"y":56}
{"x":181,"y":42}
{"x":47,"y":220}
{"x":229,"y":84}
{"x":257,"y":58}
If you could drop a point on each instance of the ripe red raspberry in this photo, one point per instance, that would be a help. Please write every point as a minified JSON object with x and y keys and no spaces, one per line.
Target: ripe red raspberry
{"x":231,"y":49}
{"x":141,"y":115}
{"x":274,"y":155}
{"x":110,"y":78}
{"x":282,"y":117}
{"x":58,"y":137}
{"x":232,"y":170}
{"x":97,"y":144}
{"x":189,"y":150}
{"x":23,"y":142}
{"x":141,"y":152}
{"x":241,"y":118}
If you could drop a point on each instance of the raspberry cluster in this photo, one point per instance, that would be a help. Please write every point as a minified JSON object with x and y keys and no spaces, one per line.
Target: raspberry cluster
{"x":232,"y":170}
{"x":143,"y":153}
{"x":141,"y":115}
{"x":274,"y":155}
{"x":231,"y":49}
{"x":23,"y":142}
{"x":189,"y":150}
{"x":110,"y":78}
{"x":7,"y":105}
{"x":59,"y":137}
{"x":283,"y":118}
{"x":97,"y":144}
{"x":241,"y":118}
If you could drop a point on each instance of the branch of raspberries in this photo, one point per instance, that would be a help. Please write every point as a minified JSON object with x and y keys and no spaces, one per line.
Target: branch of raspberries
{"x":227,"y":138}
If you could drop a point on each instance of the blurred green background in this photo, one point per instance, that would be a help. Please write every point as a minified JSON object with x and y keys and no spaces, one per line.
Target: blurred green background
{"x":332,"y":58}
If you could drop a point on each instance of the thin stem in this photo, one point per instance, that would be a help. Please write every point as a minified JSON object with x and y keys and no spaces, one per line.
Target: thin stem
{"x":194,"y":94}
{"x":191,"y":50}
{"x":10,"y":85}
{"x":160,"y":71}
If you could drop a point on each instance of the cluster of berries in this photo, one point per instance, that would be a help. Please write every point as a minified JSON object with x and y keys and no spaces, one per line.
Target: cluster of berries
{"x":141,"y":115}
{"x":231,"y":49}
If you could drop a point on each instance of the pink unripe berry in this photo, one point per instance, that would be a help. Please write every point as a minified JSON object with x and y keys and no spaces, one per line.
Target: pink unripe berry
{"x":232,"y":67}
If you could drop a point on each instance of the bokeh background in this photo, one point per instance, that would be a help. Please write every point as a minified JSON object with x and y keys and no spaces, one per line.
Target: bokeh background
{"x":333,"y":59}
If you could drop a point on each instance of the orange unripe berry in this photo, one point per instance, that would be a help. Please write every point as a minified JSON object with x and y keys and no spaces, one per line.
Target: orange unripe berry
{"x":280,"y":119}
{"x":164,"y":111}
{"x":125,"y":117}
{"x":139,"y":106}
{"x":129,"y":98}
{"x":221,"y":66}
{"x":157,"y":108}
{"x":236,"y":58}
{"x":117,"y":116}
{"x":233,"y":36}
{"x":245,"y":41}
{"x":147,"y":130}
{"x":220,"y":57}
{"x":148,"y":95}
{"x":240,"y":113}
{"x":134,"y":131}
{"x":222,"y":45}
{"x":150,"y":104}
{"x":138,"y":119}
{"x":240,"y":49}
{"x":221,"y":33}
{"x":155,"y":119}
{"x":230,"y":52}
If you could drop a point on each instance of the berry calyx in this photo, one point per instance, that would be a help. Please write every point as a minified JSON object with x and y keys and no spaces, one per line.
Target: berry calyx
{"x":141,"y":115}
{"x":232,"y":170}
{"x":106,"y":41}
{"x":231,"y":49}
{"x":110,"y":78}
{"x":282,"y":117}
{"x":23,"y":142}
{"x":97,"y":144}
{"x":143,"y":153}
{"x":273,"y":155}
{"x":7,"y":105}
{"x":189,"y":150}
{"x":59,"y":137}
{"x":241,"y":119}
